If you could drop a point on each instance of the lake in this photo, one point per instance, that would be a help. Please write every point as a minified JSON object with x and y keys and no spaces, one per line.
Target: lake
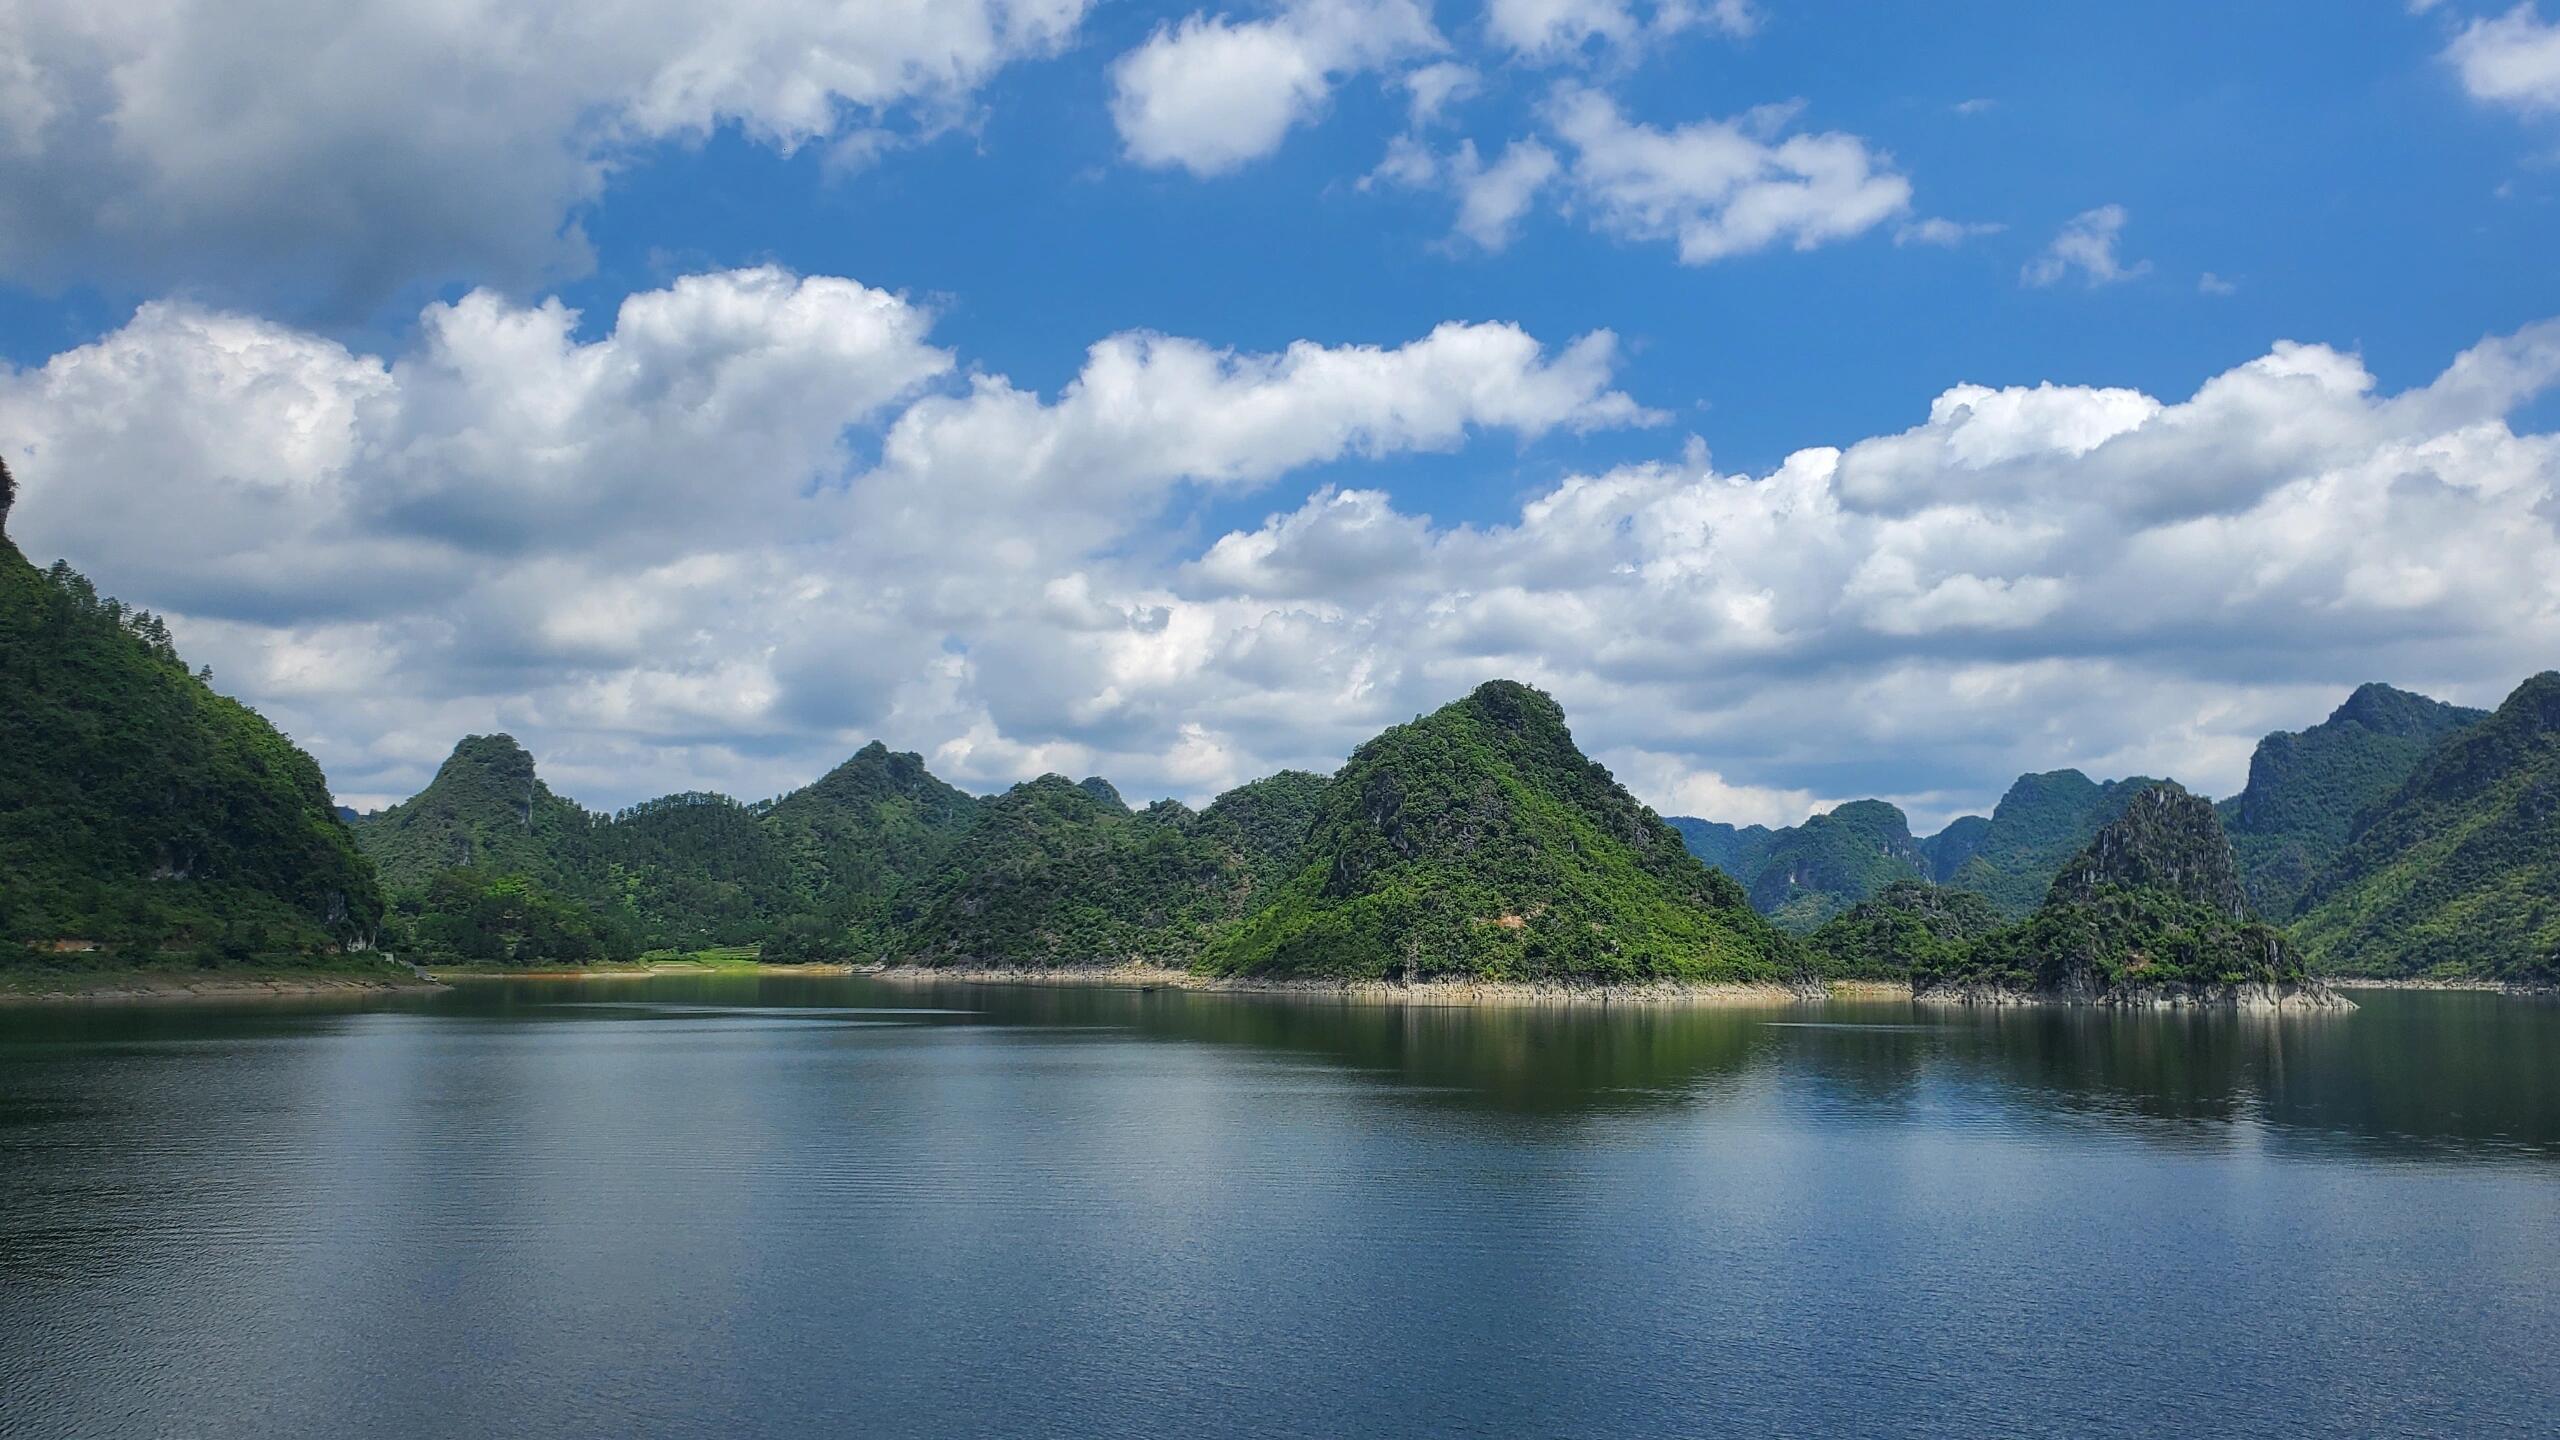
{"x":767,"y":1206}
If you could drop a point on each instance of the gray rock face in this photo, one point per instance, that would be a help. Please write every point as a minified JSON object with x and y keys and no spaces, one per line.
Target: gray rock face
{"x":2166,"y":840}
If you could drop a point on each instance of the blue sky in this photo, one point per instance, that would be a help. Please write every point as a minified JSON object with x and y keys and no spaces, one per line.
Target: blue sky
{"x":294,"y":200}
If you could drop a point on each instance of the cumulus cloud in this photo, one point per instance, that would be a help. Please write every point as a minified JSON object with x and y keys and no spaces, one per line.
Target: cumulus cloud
{"x":1549,"y":30}
{"x":762,"y":518}
{"x":2511,"y":60}
{"x":756,"y":517}
{"x":1209,"y":94}
{"x":1715,"y":188}
{"x":1720,"y":188}
{"x":358,"y":146}
{"x":1943,"y":232}
{"x":2086,"y":244}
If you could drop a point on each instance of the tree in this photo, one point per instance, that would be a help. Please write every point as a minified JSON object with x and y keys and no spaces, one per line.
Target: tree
{"x":8,"y":493}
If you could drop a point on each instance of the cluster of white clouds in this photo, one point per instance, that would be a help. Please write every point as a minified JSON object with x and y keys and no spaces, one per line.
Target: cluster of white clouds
{"x":765,"y":518}
{"x":364,"y":144}
{"x":2511,"y":59}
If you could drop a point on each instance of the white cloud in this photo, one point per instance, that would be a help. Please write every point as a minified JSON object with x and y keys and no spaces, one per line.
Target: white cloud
{"x":2211,"y":284}
{"x":1943,"y":232}
{"x":761,"y":519}
{"x":2513,"y":60}
{"x":1210,"y":94}
{"x":1720,"y":188}
{"x":1432,"y":89}
{"x":1551,"y":30}
{"x":1493,"y":198}
{"x":2087,"y":244}
{"x":357,"y":146}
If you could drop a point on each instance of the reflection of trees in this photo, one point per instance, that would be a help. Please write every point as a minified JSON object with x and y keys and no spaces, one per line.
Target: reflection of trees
{"x":2419,"y":1073}
{"x":2414,"y":1073}
{"x":1537,"y":1059}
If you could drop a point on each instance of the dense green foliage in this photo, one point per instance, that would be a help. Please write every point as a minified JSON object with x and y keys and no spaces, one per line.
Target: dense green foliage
{"x":1733,"y":849}
{"x":1268,"y":821}
{"x":874,"y":823}
{"x":2033,"y":830}
{"x":2154,"y":900}
{"x":1053,"y":873}
{"x":143,"y":811}
{"x":683,"y":872}
{"x":1477,"y":841}
{"x":1908,"y":926}
{"x":473,"y":915}
{"x":486,"y":810}
{"x":2457,"y":874}
{"x":2306,"y":788}
{"x":1813,"y":871}
{"x":697,"y":870}
{"x":1947,"y":851}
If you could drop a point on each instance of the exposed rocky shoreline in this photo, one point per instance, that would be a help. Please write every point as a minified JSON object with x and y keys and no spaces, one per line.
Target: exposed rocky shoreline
{"x":103,"y":988}
{"x":1427,"y":992}
{"x":2253,"y":998}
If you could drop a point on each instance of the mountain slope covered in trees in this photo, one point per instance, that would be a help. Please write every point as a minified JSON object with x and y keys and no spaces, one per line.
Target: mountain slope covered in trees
{"x":2307,"y":787}
{"x":2152,"y":911}
{"x":145,"y":812}
{"x":2457,"y":874}
{"x":1478,"y":842}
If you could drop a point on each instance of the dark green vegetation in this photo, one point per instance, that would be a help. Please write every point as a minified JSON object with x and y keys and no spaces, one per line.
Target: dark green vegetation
{"x":1477,"y":841}
{"x":488,"y":865}
{"x":1802,"y":875}
{"x":2152,"y":906}
{"x":2306,"y":788}
{"x":1811,"y":872}
{"x":143,"y":812}
{"x":2036,"y":827}
{"x":1056,"y":874}
{"x":2457,"y":872}
{"x":1908,"y":925}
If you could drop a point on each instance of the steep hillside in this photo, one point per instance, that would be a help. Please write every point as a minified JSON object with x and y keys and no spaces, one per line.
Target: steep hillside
{"x":2152,"y":911}
{"x":1734,"y":849}
{"x":1478,"y":841}
{"x":144,"y":811}
{"x":2457,"y":874}
{"x":485,"y":810}
{"x":2037,"y":826}
{"x":2307,"y":787}
{"x":878,"y":821}
{"x":698,"y":870}
{"x":1908,"y":926}
{"x":1832,"y":861}
{"x":1053,"y":874}
{"x":1269,"y":821}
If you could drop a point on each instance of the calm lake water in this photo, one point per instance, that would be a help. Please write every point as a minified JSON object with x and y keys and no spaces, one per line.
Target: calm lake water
{"x":768,"y":1207}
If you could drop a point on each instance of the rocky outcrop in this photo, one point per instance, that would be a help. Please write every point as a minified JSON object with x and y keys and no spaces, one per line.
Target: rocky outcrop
{"x":2151,"y":914}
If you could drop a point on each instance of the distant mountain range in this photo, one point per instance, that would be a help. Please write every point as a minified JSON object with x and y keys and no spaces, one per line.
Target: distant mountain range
{"x":2398,"y":837}
{"x":2305,"y":793}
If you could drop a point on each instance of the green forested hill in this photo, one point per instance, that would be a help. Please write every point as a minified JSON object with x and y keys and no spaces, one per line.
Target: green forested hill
{"x":487,"y":810}
{"x":1478,"y":841}
{"x":2035,"y":828}
{"x":1734,"y":849}
{"x":142,"y":810}
{"x":1908,"y":925}
{"x":2152,"y":905}
{"x":2457,"y":874}
{"x":1053,"y":873}
{"x":1811,"y":872}
{"x":1270,"y":819}
{"x":698,"y":870}
{"x":872,"y":824}
{"x":2307,"y":787}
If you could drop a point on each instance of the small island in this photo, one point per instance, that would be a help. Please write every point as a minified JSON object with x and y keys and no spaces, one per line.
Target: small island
{"x":2150,"y":915}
